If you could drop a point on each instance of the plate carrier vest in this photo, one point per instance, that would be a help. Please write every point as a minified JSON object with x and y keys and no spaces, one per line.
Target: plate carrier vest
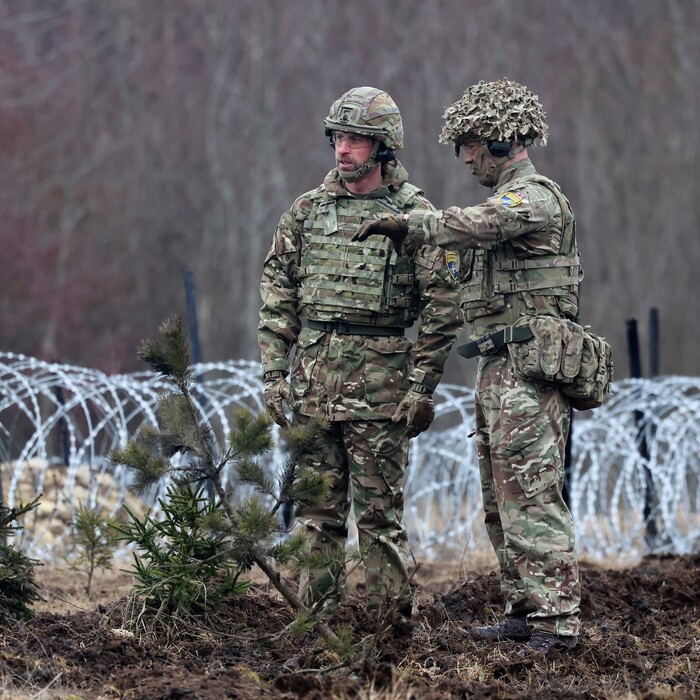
{"x":491,"y":274}
{"x":355,"y":282}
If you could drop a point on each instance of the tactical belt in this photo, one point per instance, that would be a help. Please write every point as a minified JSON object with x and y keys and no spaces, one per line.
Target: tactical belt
{"x":354,"y":328}
{"x":493,"y":342}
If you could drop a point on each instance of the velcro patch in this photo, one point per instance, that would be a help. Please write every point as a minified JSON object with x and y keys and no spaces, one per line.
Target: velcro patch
{"x":452,"y":263}
{"x":511,"y":199}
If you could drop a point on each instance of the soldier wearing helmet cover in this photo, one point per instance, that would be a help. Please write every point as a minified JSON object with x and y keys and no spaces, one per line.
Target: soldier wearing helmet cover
{"x":519,"y":261}
{"x":333,"y":344}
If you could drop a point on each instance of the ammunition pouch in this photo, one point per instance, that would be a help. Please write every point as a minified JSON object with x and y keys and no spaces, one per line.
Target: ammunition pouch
{"x":567,"y":355}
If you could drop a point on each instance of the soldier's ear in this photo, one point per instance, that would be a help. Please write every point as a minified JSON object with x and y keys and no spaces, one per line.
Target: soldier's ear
{"x":498,"y":149}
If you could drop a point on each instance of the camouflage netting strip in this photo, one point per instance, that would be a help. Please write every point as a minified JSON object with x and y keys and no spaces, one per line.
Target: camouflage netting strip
{"x":502,"y":110}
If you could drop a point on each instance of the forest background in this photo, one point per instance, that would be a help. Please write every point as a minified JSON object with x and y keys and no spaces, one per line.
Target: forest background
{"x":144,"y":139}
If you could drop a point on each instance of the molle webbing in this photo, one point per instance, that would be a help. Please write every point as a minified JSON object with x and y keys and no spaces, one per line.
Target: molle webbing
{"x":366,"y":279}
{"x":548,"y":274}
{"x":344,"y":275}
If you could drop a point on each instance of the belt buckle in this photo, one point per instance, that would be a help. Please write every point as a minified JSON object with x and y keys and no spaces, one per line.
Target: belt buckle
{"x":486,"y":345}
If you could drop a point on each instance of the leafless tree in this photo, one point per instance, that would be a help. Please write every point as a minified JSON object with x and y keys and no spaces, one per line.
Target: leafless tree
{"x":139,"y":141}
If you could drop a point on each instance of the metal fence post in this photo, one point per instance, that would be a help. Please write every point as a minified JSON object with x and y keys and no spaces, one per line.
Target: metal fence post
{"x":650,"y":499}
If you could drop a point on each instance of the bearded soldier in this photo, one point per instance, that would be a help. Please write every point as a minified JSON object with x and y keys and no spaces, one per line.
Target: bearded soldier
{"x":344,"y":307}
{"x":519,"y":262}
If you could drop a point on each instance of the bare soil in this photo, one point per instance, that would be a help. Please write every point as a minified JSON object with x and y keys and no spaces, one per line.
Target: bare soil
{"x":641,"y":639}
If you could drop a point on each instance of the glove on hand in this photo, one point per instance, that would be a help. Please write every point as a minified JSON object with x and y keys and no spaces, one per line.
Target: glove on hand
{"x":417,"y":409}
{"x":392,"y":227}
{"x":276,"y":391}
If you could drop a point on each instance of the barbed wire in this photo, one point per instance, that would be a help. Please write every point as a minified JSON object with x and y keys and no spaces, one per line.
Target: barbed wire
{"x":633,"y":480}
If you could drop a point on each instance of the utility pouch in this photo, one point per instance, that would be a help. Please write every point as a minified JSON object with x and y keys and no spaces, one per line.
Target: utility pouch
{"x":567,"y":355}
{"x":594,"y":380}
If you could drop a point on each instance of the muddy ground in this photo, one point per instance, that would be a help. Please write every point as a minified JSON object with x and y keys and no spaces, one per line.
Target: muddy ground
{"x":641,"y":639}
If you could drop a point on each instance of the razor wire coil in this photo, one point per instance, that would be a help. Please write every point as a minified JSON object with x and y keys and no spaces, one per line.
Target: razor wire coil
{"x":633,"y":480}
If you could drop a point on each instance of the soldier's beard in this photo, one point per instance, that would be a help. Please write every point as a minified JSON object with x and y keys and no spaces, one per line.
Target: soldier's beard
{"x":362,"y":170}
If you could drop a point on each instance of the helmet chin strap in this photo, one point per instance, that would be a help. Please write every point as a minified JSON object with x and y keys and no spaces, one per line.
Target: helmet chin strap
{"x":367,"y":166}
{"x":490,"y":175}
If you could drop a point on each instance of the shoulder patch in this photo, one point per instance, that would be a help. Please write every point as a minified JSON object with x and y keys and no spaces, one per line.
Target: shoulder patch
{"x":511,"y":199}
{"x":452,"y":263}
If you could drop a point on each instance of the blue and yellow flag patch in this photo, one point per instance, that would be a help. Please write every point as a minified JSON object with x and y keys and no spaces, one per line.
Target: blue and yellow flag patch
{"x":452,"y":263}
{"x":511,"y":199}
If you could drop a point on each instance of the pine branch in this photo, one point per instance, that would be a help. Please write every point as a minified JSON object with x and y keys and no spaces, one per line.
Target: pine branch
{"x":171,"y":358}
{"x":251,"y":435}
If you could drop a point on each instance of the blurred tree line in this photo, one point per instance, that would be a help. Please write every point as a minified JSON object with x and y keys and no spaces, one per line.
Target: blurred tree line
{"x":141,"y":140}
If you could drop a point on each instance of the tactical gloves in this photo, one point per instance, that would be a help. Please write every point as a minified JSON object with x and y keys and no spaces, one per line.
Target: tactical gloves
{"x":276,"y":391}
{"x":393,"y":227}
{"x":417,"y":409}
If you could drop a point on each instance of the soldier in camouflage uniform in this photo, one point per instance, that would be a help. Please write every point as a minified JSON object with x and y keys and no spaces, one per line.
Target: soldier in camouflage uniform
{"x":519,"y":260}
{"x":344,"y":308}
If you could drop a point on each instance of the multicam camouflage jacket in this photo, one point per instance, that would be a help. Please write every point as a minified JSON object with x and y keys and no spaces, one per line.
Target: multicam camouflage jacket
{"x":314,"y":272}
{"x":519,"y":251}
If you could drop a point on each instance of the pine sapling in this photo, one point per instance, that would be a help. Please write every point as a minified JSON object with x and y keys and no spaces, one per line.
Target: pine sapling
{"x":94,"y":542}
{"x":18,"y":589}
{"x":183,"y":564}
{"x":250,"y":527}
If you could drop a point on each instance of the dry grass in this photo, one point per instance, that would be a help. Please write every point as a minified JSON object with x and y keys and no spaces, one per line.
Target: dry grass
{"x":641,"y":641}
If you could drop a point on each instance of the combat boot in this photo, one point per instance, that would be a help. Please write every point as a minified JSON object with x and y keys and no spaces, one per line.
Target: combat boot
{"x":514,"y":628}
{"x":544,"y":642}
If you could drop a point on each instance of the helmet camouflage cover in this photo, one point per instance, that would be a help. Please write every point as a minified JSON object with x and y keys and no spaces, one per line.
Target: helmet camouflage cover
{"x":500,"y":111}
{"x":367,"y":111}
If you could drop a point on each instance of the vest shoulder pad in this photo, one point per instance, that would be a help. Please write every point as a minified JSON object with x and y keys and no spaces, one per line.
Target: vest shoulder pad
{"x":304,"y":204}
{"x":406,"y":193}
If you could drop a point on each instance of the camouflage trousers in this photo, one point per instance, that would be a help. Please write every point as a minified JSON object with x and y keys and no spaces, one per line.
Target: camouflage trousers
{"x":522,"y":428}
{"x":366,"y":461}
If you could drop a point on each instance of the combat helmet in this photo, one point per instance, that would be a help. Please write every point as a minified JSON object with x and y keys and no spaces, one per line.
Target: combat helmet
{"x":500,"y":112}
{"x":367,"y":111}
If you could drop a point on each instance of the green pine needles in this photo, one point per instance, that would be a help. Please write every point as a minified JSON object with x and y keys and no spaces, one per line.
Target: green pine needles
{"x":94,"y":542}
{"x":195,"y":552}
{"x":18,"y":589}
{"x":183,"y":563}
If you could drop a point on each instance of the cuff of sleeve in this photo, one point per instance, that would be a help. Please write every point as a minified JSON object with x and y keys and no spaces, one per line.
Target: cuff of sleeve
{"x":415,"y":219}
{"x":279,"y":365}
{"x":427,"y":382}
{"x":420,"y":389}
